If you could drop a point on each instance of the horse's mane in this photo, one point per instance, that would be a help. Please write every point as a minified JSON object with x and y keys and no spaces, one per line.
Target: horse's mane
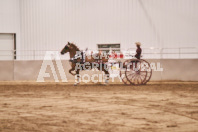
{"x":76,"y":47}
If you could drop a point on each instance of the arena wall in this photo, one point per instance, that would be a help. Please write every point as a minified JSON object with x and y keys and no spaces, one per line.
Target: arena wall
{"x":49,"y":24}
{"x":10,"y":19}
{"x":173,"y":69}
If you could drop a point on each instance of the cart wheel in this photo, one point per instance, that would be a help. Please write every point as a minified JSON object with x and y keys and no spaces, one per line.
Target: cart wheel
{"x":122,"y":72}
{"x":146,"y":67}
{"x":138,"y":72}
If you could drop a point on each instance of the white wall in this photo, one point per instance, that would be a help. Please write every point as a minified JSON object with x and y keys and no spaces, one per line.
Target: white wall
{"x":173,"y":69}
{"x":10,"y":18}
{"x":49,"y":24}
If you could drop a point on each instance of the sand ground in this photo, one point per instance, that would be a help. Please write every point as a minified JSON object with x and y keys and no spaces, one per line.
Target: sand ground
{"x":62,"y":107}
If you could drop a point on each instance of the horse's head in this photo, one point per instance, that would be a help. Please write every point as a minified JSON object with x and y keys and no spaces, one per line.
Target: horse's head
{"x":66,"y":48}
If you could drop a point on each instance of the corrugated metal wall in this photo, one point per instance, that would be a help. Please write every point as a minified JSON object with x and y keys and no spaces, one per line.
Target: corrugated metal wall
{"x":10,"y":18}
{"x":49,"y":24}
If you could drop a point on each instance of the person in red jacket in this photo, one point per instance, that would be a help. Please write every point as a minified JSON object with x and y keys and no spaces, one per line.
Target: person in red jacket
{"x":138,"y":51}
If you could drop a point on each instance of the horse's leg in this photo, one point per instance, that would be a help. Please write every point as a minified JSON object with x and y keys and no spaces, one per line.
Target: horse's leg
{"x":105,"y":69}
{"x":70,"y":71}
{"x":73,"y":65}
{"x":106,"y":77}
{"x":78,"y":76}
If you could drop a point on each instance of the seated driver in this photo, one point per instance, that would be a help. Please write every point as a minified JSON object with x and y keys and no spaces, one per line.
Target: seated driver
{"x":138,"y":51}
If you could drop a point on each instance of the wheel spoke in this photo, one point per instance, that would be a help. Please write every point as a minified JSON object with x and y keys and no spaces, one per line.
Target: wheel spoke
{"x":143,"y":75}
{"x":141,"y":79}
{"x":133,"y":75}
{"x":136,"y":79}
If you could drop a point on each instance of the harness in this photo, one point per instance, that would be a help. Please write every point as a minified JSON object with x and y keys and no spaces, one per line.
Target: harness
{"x":79,"y":55}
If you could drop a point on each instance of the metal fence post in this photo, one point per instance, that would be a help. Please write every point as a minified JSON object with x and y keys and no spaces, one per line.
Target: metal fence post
{"x":13,"y":65}
{"x":161,"y":57}
{"x":34,"y":54}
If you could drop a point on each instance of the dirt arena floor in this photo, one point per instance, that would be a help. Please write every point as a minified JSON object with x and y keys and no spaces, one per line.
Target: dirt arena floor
{"x":61,"y":107}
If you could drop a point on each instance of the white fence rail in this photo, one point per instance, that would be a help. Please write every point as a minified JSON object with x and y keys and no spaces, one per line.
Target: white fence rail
{"x":148,"y":53}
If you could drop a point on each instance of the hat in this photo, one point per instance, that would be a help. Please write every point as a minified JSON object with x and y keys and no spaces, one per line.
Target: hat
{"x":138,"y":43}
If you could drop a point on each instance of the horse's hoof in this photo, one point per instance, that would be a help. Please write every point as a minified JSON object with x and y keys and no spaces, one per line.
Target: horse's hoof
{"x":106,"y":84}
{"x":75,"y":84}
